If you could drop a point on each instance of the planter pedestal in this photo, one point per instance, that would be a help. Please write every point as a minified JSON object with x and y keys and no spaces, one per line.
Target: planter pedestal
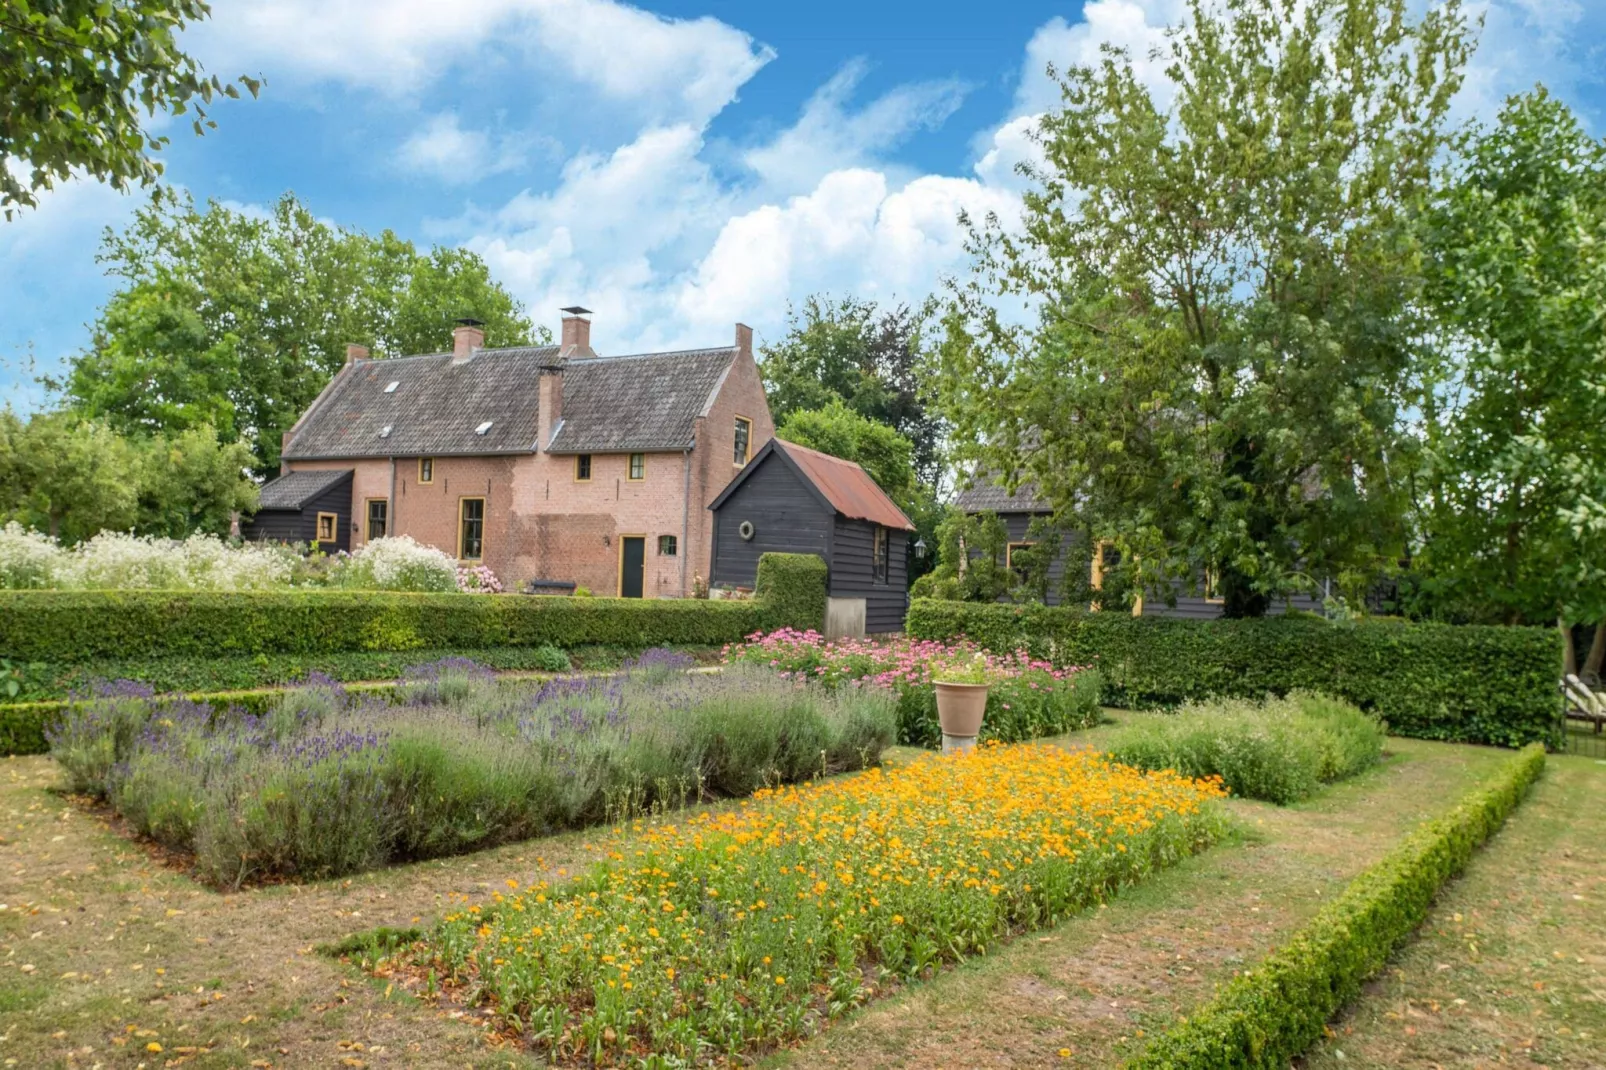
{"x":959,"y":710}
{"x":958,"y":744}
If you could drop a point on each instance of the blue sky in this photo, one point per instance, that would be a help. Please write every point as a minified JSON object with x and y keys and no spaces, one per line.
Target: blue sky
{"x":676,"y":167}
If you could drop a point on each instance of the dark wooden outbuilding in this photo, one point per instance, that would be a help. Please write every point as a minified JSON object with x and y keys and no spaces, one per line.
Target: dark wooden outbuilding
{"x":789,"y":499}
{"x":311,"y":506}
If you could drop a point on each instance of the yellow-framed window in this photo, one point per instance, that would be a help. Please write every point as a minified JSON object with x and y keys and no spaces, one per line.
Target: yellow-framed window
{"x":378,"y":519}
{"x":328,"y":528}
{"x":744,"y":440}
{"x":582,"y":468}
{"x":426,"y":470}
{"x":470,"y":529}
{"x":638,"y":468}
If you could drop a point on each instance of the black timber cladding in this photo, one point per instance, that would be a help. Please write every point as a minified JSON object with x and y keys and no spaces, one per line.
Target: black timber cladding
{"x":789,"y":515}
{"x":290,"y":512}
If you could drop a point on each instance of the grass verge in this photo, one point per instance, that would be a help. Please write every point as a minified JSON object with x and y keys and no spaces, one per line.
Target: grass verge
{"x":1267,"y":1015}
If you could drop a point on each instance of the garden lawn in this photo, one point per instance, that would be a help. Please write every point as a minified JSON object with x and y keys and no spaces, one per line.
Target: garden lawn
{"x":1089,"y":992}
{"x":97,"y":919}
{"x":1510,"y":967}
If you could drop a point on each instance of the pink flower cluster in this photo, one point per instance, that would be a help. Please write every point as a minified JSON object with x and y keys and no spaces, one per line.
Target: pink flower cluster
{"x":477,"y":579}
{"x":894,"y":662}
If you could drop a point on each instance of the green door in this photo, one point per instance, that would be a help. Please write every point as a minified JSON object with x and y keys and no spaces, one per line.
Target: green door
{"x":632,"y":564}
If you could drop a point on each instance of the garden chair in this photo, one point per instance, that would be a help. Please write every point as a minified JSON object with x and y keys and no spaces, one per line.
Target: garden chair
{"x":1584,"y":704}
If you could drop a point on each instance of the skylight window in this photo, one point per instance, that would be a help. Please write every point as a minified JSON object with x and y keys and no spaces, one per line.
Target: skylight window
{"x":394,"y":383}
{"x":484,"y":427}
{"x":384,"y":432}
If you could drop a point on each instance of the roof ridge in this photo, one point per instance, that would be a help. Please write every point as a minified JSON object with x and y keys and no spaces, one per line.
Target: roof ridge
{"x":663,"y":353}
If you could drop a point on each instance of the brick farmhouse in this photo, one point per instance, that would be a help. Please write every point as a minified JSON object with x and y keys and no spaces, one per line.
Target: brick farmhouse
{"x":545,"y":463}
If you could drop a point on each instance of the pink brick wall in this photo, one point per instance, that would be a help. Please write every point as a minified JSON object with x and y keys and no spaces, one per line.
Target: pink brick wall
{"x":541,"y":523}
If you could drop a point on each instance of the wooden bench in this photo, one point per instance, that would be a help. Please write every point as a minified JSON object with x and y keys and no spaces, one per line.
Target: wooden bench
{"x":1583,"y":704}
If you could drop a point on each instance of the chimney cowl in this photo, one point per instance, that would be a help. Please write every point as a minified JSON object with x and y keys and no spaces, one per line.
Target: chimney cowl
{"x":467,"y":337}
{"x":576,"y":338}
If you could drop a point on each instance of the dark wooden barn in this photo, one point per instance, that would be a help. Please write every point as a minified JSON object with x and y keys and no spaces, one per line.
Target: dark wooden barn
{"x":789,"y":499}
{"x":311,"y":506}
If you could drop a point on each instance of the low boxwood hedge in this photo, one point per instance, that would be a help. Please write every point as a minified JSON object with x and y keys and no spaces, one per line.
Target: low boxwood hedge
{"x":1431,"y":681}
{"x":1266,"y":1016}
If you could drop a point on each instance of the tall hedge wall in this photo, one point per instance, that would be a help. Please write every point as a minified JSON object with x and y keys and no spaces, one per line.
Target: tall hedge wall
{"x":70,"y":627}
{"x":1431,"y":681}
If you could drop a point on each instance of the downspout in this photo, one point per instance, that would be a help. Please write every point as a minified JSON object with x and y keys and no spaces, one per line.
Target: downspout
{"x":685,"y":516}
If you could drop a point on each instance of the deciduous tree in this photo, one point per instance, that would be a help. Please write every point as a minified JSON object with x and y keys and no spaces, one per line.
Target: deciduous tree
{"x":80,"y":81}
{"x":236,"y":321}
{"x":1514,"y":491}
{"x":1222,"y":275}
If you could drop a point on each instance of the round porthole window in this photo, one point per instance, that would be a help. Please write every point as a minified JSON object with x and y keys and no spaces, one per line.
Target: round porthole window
{"x":745,"y":529}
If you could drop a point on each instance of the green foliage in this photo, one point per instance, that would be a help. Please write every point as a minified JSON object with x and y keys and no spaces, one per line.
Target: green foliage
{"x":68,"y":476}
{"x":1265,"y":1017}
{"x":238,"y":321}
{"x":69,"y":627}
{"x":75,"y":478}
{"x":189,"y":481}
{"x":320,"y":786}
{"x":840,"y":431}
{"x":1467,"y":684}
{"x":975,"y":562}
{"x":549,"y":658}
{"x":1280,"y":750}
{"x":1226,"y":288}
{"x":791,"y":587}
{"x":868,"y":359}
{"x":79,"y":80}
{"x":1514,"y":483}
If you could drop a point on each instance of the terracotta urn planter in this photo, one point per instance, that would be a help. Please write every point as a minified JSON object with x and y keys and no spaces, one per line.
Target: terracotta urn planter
{"x":959,"y":710}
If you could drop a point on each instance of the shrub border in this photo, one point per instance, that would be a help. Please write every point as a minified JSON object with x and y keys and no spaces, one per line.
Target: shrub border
{"x":1264,"y":1017}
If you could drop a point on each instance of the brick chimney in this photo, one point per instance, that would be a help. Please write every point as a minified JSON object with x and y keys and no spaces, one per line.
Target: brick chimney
{"x":576,"y":338}
{"x":355,"y":352}
{"x":744,"y":340}
{"x":467,"y":336}
{"x":549,"y":396}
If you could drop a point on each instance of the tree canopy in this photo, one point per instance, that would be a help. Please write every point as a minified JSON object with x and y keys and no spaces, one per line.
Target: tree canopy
{"x":1514,"y":484}
{"x":1222,"y":346}
{"x":868,"y":358}
{"x":75,"y":78}
{"x":75,"y":478}
{"x":236,"y":321}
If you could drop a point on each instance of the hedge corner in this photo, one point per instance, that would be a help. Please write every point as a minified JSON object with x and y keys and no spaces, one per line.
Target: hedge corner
{"x":792,"y":586}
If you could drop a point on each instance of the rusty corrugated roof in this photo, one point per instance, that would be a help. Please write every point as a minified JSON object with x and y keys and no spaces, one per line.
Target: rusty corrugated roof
{"x":847,"y":487}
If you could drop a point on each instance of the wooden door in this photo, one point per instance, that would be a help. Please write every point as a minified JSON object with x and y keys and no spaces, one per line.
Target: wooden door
{"x":632,"y":565}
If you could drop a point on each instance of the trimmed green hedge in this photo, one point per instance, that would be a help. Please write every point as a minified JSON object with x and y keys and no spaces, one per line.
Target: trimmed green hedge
{"x":1264,"y":1017}
{"x":793,"y":587}
{"x":73,"y":627}
{"x":1432,"y":681}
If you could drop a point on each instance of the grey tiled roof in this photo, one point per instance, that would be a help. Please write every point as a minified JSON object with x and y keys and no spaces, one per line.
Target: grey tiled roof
{"x":989,"y":495}
{"x":645,"y":402}
{"x":295,"y":489}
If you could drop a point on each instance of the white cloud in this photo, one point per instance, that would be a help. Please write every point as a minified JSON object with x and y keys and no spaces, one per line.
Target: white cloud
{"x":37,"y":280}
{"x":829,"y":137}
{"x":443,"y":150}
{"x":1135,"y":25}
{"x":669,"y":68}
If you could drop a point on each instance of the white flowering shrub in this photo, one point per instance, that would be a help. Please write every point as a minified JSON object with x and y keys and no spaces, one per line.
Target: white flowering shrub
{"x":396,"y":563}
{"x":27,"y":558}
{"x":117,"y":561}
